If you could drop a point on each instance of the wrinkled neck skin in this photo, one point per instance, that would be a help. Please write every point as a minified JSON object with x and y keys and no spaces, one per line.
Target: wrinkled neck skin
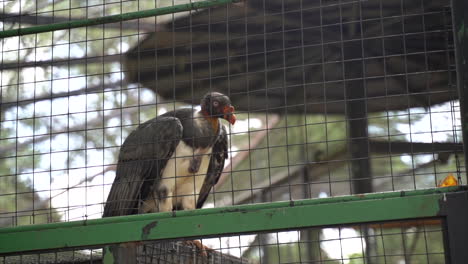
{"x":214,"y":121}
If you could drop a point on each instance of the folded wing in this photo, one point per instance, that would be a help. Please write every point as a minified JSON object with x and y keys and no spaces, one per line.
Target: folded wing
{"x":142,"y":159}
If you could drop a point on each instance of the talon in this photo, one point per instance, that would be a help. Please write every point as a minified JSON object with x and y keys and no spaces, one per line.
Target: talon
{"x":197,"y":244}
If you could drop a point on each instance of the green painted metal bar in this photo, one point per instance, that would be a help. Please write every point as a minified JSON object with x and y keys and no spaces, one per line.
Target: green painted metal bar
{"x":115,"y":18}
{"x":460,"y":36}
{"x":228,"y":220}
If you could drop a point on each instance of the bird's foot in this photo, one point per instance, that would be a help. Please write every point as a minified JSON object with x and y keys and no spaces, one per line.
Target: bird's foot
{"x":197,"y":244}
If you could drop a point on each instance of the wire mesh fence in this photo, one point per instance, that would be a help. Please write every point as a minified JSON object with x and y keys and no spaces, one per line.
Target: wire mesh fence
{"x":417,"y":241}
{"x":332,"y":97}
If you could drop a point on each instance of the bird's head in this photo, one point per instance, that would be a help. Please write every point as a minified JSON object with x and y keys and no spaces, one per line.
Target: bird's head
{"x":218,"y":105}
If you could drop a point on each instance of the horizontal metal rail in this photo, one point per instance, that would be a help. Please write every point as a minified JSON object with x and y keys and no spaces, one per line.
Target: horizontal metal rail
{"x":228,"y":220}
{"x":114,"y":18}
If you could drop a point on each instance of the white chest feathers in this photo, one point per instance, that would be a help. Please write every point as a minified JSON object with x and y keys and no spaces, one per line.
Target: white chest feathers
{"x":182,"y":179}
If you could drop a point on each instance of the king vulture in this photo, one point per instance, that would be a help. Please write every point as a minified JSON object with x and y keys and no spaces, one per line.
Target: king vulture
{"x":171,"y":162}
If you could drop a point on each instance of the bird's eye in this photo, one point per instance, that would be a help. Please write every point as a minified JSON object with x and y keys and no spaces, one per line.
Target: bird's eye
{"x":215,"y":104}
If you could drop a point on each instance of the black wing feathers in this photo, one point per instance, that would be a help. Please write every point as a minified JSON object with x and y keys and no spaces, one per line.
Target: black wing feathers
{"x":142,"y":157}
{"x":219,"y":154}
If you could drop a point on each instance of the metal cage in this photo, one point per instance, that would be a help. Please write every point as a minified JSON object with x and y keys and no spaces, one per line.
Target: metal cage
{"x":348,"y":145}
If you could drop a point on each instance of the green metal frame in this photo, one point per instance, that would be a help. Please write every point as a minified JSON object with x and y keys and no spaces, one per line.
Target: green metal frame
{"x":460,"y":36}
{"x":115,"y":18}
{"x":229,"y":220}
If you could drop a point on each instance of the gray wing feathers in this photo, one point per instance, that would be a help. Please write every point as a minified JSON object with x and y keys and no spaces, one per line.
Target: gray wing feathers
{"x":142,"y":158}
{"x":219,"y":154}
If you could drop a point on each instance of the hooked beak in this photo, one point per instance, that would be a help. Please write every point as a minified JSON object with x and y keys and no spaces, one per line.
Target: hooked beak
{"x":229,"y":115}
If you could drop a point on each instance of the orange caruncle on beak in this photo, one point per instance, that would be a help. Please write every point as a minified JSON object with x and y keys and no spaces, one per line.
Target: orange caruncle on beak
{"x":229,"y":114}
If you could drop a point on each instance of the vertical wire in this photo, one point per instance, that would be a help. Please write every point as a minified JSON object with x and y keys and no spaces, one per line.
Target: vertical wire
{"x":452,"y":104}
{"x":2,"y":42}
{"x":138,"y":113}
{"x":340,"y":240}
{"x":34,"y":130}
{"x":267,"y":136}
{"x":208,"y":156}
{"x":68,"y":106}
{"x":426,"y":248}
{"x":319,"y":242}
{"x":429,"y":108}
{"x":86,"y":102}
{"x":383,"y":244}
{"x":247,"y":75}
{"x":370,"y":239}
{"x":17,"y":123}
{"x":259,"y":247}
{"x":404,"y":243}
{"x":278,"y":247}
{"x":228,"y":54}
{"x":69,"y":56}
{"x":305,"y":145}
{"x":51,"y":117}
{"x":325,"y":99}
{"x":174,"y":194}
{"x":299,"y":254}
{"x":103,"y":113}
{"x":156,"y":80}
{"x":384,"y":60}
{"x":346,"y":115}
{"x":408,"y":91}
{"x":366,"y":99}
{"x":121,"y":96}
{"x":122,"y":75}
{"x":156,"y":5}
{"x":126,"y":90}
{"x":165,"y":256}
{"x":362,"y":234}
{"x":240,"y":246}
{"x":213,"y":189}
{"x":2,"y":85}
{"x":306,"y":160}
{"x":284,"y":88}
{"x":196,"y":174}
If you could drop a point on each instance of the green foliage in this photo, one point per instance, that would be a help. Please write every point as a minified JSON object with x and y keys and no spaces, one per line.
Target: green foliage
{"x":356,"y":258}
